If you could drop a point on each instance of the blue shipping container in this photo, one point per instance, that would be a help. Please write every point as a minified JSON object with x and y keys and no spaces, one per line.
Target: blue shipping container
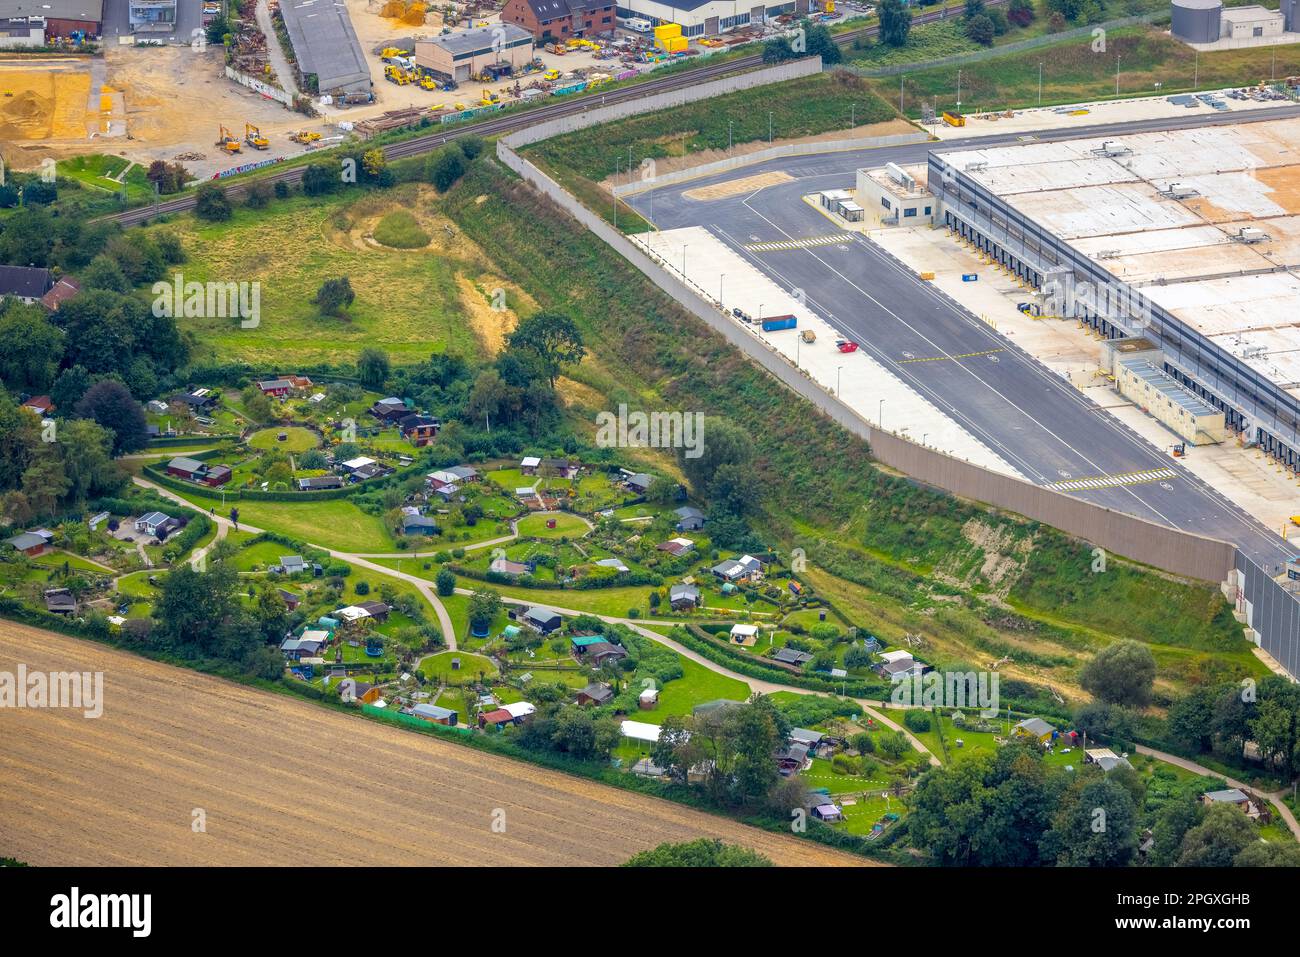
{"x":773,"y":323}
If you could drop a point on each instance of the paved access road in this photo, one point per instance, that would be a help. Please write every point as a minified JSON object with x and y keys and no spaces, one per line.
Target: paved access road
{"x":1034,"y":419}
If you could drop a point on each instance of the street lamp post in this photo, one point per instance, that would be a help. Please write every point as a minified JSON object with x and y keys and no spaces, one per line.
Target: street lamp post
{"x":1118,"y":57}
{"x":837,"y":381}
{"x":880,"y":414}
{"x":721,"y":276}
{"x":1040,"y":83}
{"x":769,"y":127}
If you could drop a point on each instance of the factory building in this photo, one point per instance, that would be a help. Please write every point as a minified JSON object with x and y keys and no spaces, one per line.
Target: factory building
{"x":706,"y":18}
{"x":894,"y":196}
{"x":325,"y":46}
{"x":1187,"y":240}
{"x":1208,"y":23}
{"x":62,"y":19}
{"x":460,"y":56}
{"x":1181,"y":237}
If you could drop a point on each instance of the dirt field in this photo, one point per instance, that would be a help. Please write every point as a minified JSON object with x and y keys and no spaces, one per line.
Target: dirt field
{"x":283,"y":782}
{"x":45,"y":99}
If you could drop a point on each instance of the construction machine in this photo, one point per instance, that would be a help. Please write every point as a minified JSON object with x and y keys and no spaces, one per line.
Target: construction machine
{"x":228,"y":142}
{"x":254,"y":138}
{"x":305,"y":137}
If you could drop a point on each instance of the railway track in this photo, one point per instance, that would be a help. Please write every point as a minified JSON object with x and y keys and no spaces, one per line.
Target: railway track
{"x":427,"y":142}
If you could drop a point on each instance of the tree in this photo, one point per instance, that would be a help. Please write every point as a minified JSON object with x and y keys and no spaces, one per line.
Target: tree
{"x":551,"y":336}
{"x":1174,"y":820}
{"x":217,"y":30}
{"x":88,"y":460}
{"x":484,"y":605}
{"x":445,"y":167}
{"x":895,"y":22}
{"x":1191,"y":719}
{"x":372,"y":367}
{"x":112,"y":406}
{"x":319,"y":179}
{"x":1096,"y":826}
{"x":211,"y":203}
{"x":30,"y":347}
{"x":1122,"y":673}
{"x":335,"y":295}
{"x":1223,"y":834}
{"x":446,"y":582}
{"x":258,"y":194}
{"x":720,"y":444}
{"x":1021,"y":12}
{"x":374,"y":162}
{"x":704,"y":852}
{"x":980,"y":30}
{"x":819,"y":42}
{"x":778,"y":50}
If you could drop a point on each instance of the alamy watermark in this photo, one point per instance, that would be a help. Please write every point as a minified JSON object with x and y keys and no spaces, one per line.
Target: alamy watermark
{"x":179,"y":299}
{"x":656,"y":430}
{"x":949,"y":690}
{"x":83,"y":690}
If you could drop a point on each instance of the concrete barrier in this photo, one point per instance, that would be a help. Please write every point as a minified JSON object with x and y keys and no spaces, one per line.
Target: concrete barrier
{"x":774,"y":152}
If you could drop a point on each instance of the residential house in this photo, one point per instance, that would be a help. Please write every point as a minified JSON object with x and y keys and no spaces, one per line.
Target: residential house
{"x":601,"y":652}
{"x":29,"y":543}
{"x":551,"y":21}
{"x":511,"y":569}
{"x":375,"y":609}
{"x":59,"y":293}
{"x":1233,"y":796}
{"x":195,"y":471}
{"x":743,"y":634}
{"x":676,"y":547}
{"x":198,"y":400}
{"x":435,"y":715}
{"x":317,"y":483}
{"x":828,"y":812}
{"x":40,"y":404}
{"x":27,"y":284}
{"x":596,"y":693}
{"x":276,"y":388}
{"x":307,"y":645}
{"x":542,"y":619}
{"x":419,"y":525}
{"x":419,"y":429}
{"x":790,"y":656}
{"x":684,"y":597}
{"x":689,"y":519}
{"x":1106,"y":759}
{"x":60,"y":601}
{"x":1035,"y":728}
{"x":901,"y":669}
{"x":516,"y":712}
{"x":157,"y":524}
{"x":639,"y":483}
{"x":738,"y":569}
{"x":578,"y":644}
{"x":388,"y":410}
{"x":792,"y":759}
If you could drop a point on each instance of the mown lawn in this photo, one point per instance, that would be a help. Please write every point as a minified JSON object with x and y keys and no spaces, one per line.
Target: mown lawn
{"x":696,"y":685}
{"x":296,"y":439}
{"x":566,"y":526}
{"x":438,"y":667}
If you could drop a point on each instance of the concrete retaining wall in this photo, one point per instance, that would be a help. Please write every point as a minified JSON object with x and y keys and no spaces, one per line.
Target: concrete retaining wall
{"x":774,"y":152}
{"x":260,"y":86}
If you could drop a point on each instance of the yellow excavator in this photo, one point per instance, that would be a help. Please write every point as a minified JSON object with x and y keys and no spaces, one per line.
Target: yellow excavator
{"x":254,"y":138}
{"x":228,"y":142}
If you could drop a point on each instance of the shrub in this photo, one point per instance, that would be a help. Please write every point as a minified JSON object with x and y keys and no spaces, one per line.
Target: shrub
{"x":918,"y":722}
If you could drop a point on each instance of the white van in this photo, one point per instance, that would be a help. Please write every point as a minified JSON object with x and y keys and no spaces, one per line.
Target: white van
{"x":639,"y":25}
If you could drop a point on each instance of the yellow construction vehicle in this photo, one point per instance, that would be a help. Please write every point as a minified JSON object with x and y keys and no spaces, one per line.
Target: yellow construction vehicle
{"x":489,"y":98}
{"x":254,"y":138}
{"x":228,"y":142}
{"x":551,"y":75}
{"x":428,"y":83}
{"x":304,"y":137}
{"x":395,"y":74}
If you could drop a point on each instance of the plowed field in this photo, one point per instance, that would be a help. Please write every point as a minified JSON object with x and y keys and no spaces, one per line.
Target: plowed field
{"x":283,"y":781}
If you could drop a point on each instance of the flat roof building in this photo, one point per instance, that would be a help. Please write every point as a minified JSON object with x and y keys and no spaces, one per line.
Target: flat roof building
{"x":894,"y":196}
{"x":460,"y":56}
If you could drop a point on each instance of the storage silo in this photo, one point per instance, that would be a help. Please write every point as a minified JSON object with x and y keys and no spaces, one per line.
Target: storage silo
{"x":1196,"y":21}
